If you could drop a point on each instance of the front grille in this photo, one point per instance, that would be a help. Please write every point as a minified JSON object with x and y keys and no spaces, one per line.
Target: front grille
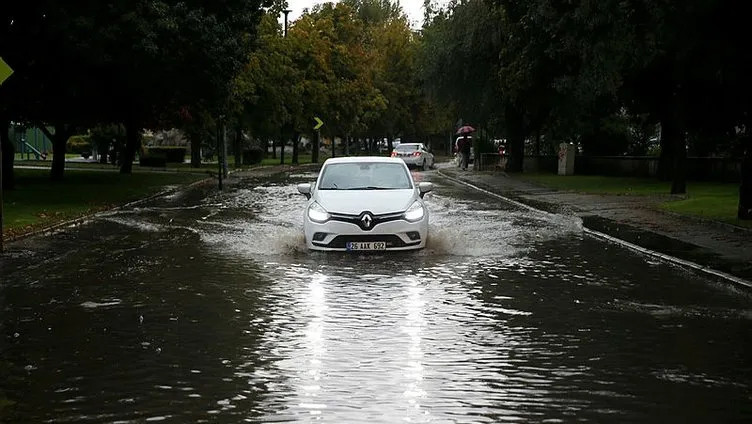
{"x":391,"y":240}
{"x":374,"y":219}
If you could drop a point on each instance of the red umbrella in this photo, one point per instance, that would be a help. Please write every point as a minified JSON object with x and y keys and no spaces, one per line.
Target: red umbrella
{"x":467,"y":129}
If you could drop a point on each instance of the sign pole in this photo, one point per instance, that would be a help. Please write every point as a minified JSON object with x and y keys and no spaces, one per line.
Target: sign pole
{"x":317,"y":145}
{"x":5,"y":72}
{"x":1,"y":190}
{"x":219,"y":155}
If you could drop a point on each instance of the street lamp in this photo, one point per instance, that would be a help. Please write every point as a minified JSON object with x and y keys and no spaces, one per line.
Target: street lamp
{"x":286,"y":12}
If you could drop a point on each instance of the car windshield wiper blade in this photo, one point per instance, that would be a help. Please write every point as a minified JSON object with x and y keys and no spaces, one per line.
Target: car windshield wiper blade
{"x":371,"y":188}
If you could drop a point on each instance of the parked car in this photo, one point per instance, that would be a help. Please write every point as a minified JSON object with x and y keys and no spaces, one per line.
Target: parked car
{"x":414,"y":154}
{"x":365,"y":203}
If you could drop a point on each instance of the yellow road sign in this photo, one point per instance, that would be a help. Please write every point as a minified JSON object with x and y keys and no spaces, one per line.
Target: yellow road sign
{"x":319,"y":122}
{"x":5,"y":70}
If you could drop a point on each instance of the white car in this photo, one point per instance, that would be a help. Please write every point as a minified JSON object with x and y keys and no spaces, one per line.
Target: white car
{"x":414,"y":154}
{"x":365,"y":203}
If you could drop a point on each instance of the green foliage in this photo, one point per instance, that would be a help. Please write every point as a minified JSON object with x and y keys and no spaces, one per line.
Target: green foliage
{"x":148,"y":63}
{"x":352,"y":64}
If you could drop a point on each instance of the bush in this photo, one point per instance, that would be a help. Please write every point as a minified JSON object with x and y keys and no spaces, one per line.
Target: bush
{"x":153,"y":160}
{"x":253,"y":156}
{"x":79,"y":144}
{"x":169,"y":153}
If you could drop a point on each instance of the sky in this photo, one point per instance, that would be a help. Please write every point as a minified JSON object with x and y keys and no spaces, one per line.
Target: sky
{"x":413,"y":9}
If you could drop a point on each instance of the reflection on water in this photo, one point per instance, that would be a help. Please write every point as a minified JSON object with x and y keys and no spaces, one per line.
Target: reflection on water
{"x":212,"y":311}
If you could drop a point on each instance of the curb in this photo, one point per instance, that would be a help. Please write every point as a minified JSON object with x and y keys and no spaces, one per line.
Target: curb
{"x":631,"y":246}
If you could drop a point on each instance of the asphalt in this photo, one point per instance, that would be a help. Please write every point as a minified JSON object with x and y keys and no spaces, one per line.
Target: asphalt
{"x":633,"y":219}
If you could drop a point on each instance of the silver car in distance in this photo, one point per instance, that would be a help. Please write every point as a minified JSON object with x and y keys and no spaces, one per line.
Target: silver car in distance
{"x":365,"y":203}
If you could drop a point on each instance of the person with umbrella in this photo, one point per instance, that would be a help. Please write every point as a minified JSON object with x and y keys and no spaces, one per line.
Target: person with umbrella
{"x":464,"y":145}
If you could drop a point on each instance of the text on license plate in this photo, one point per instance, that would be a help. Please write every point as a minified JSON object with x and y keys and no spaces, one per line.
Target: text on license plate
{"x":366,"y":245}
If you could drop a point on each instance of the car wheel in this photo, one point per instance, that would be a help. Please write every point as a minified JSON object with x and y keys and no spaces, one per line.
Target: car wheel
{"x":425,"y":165}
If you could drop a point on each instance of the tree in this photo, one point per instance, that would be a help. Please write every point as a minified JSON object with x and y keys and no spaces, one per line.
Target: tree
{"x":139,"y":63}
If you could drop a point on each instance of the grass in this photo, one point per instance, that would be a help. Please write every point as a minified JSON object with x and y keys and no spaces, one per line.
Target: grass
{"x":708,"y":200}
{"x":37,"y":202}
{"x":601,"y":185}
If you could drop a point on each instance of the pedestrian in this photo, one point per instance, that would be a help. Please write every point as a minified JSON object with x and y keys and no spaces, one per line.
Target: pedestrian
{"x":502,"y":165}
{"x":464,"y":145}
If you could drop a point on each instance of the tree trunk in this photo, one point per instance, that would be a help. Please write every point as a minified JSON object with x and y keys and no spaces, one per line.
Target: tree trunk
{"x":676,"y":144}
{"x":515,"y":130}
{"x":236,"y":147}
{"x":282,"y":143}
{"x":195,"y":138}
{"x":745,"y":189}
{"x":132,"y":143}
{"x":8,"y":154}
{"x":389,"y":144}
{"x":59,"y":146}
{"x":274,"y":149}
{"x":295,"y":142}
{"x":665,"y":158}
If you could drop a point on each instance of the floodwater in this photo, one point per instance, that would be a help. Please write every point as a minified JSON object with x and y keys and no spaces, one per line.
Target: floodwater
{"x":205,"y":307}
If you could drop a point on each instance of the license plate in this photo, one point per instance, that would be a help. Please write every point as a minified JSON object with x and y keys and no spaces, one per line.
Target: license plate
{"x":366,"y":245}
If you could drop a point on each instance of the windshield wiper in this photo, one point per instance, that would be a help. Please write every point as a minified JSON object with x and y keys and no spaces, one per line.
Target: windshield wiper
{"x":371,"y":188}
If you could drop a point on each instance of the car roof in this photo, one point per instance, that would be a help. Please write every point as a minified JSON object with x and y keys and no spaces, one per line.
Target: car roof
{"x":361,"y":159}
{"x":409,"y":144}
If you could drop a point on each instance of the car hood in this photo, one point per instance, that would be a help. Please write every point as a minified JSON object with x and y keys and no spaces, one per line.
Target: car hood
{"x":353,"y":202}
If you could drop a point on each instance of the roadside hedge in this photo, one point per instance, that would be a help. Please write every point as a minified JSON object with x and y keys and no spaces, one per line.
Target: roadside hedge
{"x":171,"y":154}
{"x":78,"y":144}
{"x":253,"y":156}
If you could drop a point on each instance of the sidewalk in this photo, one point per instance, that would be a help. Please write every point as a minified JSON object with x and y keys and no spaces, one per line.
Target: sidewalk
{"x":634,"y":219}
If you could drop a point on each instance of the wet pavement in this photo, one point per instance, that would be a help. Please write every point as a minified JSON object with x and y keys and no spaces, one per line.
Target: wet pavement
{"x":206,"y":307}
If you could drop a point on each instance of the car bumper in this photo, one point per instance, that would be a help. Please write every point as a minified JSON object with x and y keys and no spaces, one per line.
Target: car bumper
{"x":412,"y":160}
{"x":398,"y":235}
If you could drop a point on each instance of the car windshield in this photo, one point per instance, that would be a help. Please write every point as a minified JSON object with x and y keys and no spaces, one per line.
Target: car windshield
{"x":365,"y":176}
{"x":406,"y":147}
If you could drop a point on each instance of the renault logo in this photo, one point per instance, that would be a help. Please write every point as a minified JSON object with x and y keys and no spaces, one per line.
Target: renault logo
{"x":366,"y":220}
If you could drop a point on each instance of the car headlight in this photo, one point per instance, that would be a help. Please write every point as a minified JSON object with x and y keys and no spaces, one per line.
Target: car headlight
{"x":317,"y":213}
{"x":415,"y":212}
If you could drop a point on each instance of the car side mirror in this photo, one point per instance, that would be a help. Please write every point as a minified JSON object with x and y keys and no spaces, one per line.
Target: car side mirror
{"x":305,"y":189}
{"x":424,"y":188}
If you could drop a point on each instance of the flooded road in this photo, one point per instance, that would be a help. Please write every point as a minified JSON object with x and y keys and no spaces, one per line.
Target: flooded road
{"x":206,"y":307}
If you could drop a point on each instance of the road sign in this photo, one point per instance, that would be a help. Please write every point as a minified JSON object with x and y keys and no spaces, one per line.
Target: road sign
{"x":319,"y":122}
{"x":5,"y":71}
